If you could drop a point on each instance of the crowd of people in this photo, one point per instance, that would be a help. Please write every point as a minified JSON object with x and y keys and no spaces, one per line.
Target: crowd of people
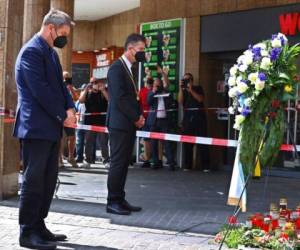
{"x":91,"y":102}
{"x":157,"y":104}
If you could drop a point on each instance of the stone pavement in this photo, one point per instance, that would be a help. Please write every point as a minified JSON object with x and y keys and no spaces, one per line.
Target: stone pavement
{"x":182,"y":210}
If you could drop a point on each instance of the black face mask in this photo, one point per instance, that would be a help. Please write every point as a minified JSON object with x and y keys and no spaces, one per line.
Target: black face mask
{"x":140,"y":56}
{"x":60,"y":41}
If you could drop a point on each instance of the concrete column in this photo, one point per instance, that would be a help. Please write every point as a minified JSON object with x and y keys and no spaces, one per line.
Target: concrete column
{"x":11,"y":25}
{"x":34,"y":11}
{"x":65,"y":54}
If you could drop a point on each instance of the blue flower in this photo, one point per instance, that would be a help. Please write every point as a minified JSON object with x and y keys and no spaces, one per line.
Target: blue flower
{"x":257,"y":53}
{"x":262,"y":76}
{"x":282,"y":41}
{"x":274,"y":36}
{"x":275,"y":53}
{"x":246,"y":111}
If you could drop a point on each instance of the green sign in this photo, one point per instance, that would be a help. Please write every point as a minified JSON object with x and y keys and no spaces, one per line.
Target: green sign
{"x":162,"y":49}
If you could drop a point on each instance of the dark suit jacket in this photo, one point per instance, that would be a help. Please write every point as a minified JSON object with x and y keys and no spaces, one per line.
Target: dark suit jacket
{"x":123,"y":107}
{"x":153,"y":103}
{"x":42,"y":96}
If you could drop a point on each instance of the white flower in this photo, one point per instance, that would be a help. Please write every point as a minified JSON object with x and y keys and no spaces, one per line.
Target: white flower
{"x":243,"y":67}
{"x":276,"y":43}
{"x":241,"y":59}
{"x":231,"y":110}
{"x":260,"y":45}
{"x":232,"y":81}
{"x":252,"y":77}
{"x":233,"y":70}
{"x":240,"y":109}
{"x":248,"y":59}
{"x":239,"y":119}
{"x":259,"y":85}
{"x":264,"y":52}
{"x":265,"y":63}
{"x":236,"y":126}
{"x":232,"y":92}
{"x":242,"y":87}
{"x":256,"y":92}
{"x":280,"y":35}
{"x":248,"y":102}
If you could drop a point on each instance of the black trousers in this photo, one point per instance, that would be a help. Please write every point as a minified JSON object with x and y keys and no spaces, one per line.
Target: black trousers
{"x":196,"y":128}
{"x":40,"y":159}
{"x":162,"y":125}
{"x":121,"y":147}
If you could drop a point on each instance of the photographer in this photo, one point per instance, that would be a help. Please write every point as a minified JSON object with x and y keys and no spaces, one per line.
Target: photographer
{"x":194,"y":119}
{"x":159,"y":99}
{"x":95,"y":98}
{"x":70,"y":132}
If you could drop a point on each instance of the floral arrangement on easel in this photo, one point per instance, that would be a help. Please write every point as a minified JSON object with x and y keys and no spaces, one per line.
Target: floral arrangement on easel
{"x":261,"y":82}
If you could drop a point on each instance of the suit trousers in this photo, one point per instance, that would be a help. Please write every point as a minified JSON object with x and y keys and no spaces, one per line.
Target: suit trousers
{"x":40,"y":159}
{"x":121,"y":147}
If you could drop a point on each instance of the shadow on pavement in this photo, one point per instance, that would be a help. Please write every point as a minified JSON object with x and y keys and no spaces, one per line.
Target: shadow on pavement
{"x":176,"y":201}
{"x":82,"y":247}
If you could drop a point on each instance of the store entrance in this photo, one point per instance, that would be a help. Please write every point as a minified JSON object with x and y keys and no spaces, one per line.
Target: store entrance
{"x":214,"y":68}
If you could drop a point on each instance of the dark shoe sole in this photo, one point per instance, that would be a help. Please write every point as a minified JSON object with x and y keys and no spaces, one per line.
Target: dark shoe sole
{"x":57,"y":239}
{"x":37,"y":247}
{"x":111,"y":211}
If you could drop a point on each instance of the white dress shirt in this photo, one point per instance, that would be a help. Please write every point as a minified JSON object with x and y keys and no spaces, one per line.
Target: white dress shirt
{"x":161,"y":112}
{"x":128,"y":63}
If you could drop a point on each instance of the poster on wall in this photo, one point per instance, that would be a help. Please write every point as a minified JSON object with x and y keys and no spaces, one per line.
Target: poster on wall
{"x":163,"y":48}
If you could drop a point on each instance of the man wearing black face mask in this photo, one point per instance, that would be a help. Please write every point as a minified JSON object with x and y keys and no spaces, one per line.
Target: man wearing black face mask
{"x":44,"y":107}
{"x":124,"y":116}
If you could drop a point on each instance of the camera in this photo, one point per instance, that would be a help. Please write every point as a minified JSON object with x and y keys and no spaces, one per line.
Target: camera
{"x":184,"y":83}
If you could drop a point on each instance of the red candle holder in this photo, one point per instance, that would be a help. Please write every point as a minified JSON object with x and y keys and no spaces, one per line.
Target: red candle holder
{"x":297,"y":223}
{"x":257,"y":221}
{"x":275,"y":224}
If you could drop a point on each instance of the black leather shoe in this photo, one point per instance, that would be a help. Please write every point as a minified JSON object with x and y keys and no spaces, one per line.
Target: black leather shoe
{"x":129,"y":207}
{"x":49,"y":236}
{"x":34,"y":241}
{"x":117,"y":208}
{"x":146,"y":164}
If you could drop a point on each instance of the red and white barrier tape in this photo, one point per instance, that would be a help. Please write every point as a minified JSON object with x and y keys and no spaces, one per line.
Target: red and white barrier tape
{"x":167,"y":110}
{"x":172,"y":137}
{"x":182,"y":138}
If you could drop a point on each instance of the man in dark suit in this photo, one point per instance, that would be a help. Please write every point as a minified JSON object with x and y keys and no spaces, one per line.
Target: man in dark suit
{"x":44,"y":106}
{"x":123,"y":117}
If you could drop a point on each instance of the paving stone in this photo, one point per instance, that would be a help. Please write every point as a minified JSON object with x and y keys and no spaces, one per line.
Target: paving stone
{"x":180,"y":210}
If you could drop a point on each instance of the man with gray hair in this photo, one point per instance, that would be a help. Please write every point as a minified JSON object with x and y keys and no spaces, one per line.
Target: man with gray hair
{"x":44,"y":107}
